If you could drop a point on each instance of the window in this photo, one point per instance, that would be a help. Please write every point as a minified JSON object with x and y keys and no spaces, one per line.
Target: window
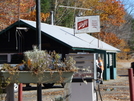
{"x":16,"y":58}
{"x":3,"y":59}
{"x":11,"y":58}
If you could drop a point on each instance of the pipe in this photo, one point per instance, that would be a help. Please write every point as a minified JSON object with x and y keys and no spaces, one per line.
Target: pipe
{"x":52,"y":18}
{"x":20,"y":92}
{"x":131,"y":83}
{"x":38,"y":23}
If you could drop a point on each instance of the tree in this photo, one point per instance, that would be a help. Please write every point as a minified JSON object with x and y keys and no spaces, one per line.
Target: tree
{"x":46,"y":7}
{"x":111,"y":15}
{"x":113,"y":19}
{"x":111,"y":11}
{"x":64,"y":16}
{"x":32,"y":16}
{"x":129,"y":6}
{"x":131,"y":39}
{"x":110,"y":38}
{"x":127,"y":29}
{"x":12,"y":10}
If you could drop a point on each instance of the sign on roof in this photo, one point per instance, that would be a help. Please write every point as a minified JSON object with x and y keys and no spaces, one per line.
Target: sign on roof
{"x":87,"y":24}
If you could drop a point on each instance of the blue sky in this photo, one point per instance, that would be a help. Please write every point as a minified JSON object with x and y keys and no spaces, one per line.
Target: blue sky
{"x":129,"y":6}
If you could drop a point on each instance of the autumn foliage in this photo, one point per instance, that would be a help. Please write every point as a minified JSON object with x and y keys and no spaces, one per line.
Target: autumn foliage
{"x":112,"y":39}
{"x":32,"y":16}
{"x":13,"y":10}
{"x":111,"y":12}
{"x":109,"y":38}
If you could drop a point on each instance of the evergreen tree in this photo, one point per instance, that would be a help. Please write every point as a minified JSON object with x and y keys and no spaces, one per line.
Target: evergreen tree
{"x":45,"y":6}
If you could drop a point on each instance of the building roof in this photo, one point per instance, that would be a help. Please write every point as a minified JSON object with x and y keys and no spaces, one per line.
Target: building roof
{"x":67,"y":37}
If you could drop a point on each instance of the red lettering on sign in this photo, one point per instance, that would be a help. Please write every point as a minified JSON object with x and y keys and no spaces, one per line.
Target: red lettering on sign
{"x":82,"y":24}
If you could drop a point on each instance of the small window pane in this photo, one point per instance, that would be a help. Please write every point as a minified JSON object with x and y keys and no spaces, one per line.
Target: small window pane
{"x":3,"y":59}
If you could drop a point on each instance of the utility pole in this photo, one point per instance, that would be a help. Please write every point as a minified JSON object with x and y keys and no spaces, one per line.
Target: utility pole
{"x":38,"y":31}
{"x":38,"y":23}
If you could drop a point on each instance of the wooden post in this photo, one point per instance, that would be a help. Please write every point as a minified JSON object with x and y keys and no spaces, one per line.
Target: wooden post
{"x":10,"y":92}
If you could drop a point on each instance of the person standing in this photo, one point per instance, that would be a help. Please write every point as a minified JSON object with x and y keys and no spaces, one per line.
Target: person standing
{"x":100,"y":64}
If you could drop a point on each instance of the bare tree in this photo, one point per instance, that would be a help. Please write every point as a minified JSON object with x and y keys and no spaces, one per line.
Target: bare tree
{"x":125,"y":31}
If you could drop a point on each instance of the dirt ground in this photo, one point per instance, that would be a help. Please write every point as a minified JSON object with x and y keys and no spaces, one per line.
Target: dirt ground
{"x":118,"y":89}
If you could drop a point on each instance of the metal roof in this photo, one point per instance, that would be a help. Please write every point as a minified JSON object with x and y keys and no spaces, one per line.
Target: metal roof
{"x":66,"y":36}
{"x":98,"y":43}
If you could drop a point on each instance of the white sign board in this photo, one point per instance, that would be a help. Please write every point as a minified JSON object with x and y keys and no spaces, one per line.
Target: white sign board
{"x":86,"y":64}
{"x":87,"y":24}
